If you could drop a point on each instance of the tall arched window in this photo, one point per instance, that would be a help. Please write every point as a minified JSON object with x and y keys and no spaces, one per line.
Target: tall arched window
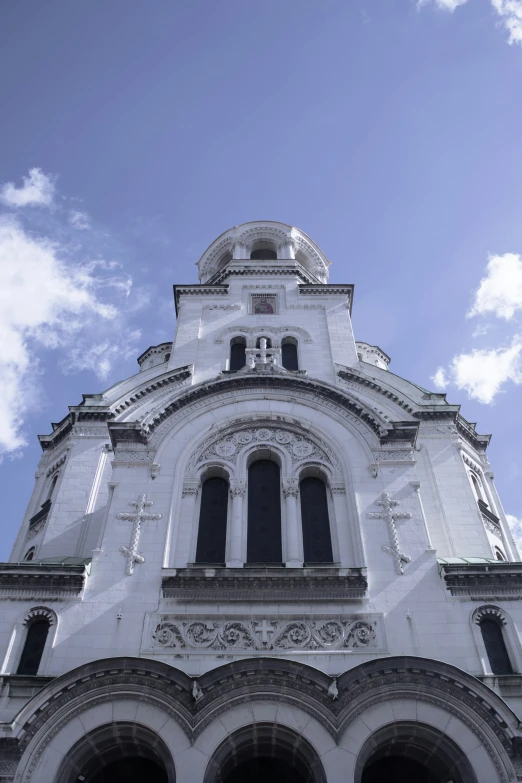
{"x":212,"y":531}
{"x":495,"y":645}
{"x":289,"y":354}
{"x":34,"y":646}
{"x":29,"y":555}
{"x":237,"y":353}
{"x":317,"y":541}
{"x":264,"y":513}
{"x":52,"y":486}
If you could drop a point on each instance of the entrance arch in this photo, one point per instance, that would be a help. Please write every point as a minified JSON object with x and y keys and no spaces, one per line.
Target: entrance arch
{"x":412,"y":751}
{"x":118,"y":753}
{"x":265,"y":752}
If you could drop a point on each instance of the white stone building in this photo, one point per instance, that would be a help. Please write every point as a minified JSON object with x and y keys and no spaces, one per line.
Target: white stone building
{"x":262,"y":557}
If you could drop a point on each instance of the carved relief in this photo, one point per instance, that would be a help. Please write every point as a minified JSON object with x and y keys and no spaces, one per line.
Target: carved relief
{"x":243,"y":635}
{"x":389,"y":516}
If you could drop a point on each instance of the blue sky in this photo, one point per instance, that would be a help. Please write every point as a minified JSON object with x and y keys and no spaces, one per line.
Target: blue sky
{"x":134,"y":133}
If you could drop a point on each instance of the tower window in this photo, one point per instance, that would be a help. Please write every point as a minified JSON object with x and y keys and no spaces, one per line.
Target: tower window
{"x":34,"y":646}
{"x":317,"y":542}
{"x":263,"y":254}
{"x":264,"y":513}
{"x":289,"y":354}
{"x":237,"y":354}
{"x":499,"y":554}
{"x":495,"y":645}
{"x":29,"y":555}
{"x":212,"y":532}
{"x":52,"y":486}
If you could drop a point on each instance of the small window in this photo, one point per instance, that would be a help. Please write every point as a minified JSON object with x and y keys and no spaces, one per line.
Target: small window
{"x":289,"y":354}
{"x":495,"y":645}
{"x":499,"y":554}
{"x":237,"y":354}
{"x":167,"y":357}
{"x":29,"y":555}
{"x":477,"y":489}
{"x":34,"y":646}
{"x":263,"y":254}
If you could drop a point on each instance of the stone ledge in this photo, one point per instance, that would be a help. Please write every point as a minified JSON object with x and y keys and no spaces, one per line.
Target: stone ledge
{"x":264,"y":584}
{"x":485,"y":579}
{"x":42,"y":579}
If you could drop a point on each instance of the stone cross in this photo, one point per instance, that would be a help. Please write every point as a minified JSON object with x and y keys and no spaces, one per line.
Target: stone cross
{"x":264,"y":628}
{"x":389,"y":517}
{"x":261,"y":355}
{"x":139,"y":516}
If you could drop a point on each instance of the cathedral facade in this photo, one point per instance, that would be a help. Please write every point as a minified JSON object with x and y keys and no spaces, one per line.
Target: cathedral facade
{"x":264,"y":556}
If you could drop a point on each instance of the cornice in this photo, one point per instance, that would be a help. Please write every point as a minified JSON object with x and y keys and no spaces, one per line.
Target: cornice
{"x":270,"y":269}
{"x":264,"y":584}
{"x":23,"y":580}
{"x":386,"y":432}
{"x":432,"y":413}
{"x":483,"y":580}
{"x":166,"y":379}
{"x":198,"y":290}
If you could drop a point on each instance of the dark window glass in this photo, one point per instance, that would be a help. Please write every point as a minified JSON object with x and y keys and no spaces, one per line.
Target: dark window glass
{"x":264,"y":255}
{"x":317,"y":542}
{"x":264,"y":513}
{"x":237,"y":356}
{"x":289,"y":356}
{"x":33,"y":647}
{"x":212,"y":531}
{"x":499,"y":554}
{"x":30,"y":554}
{"x":495,"y":647}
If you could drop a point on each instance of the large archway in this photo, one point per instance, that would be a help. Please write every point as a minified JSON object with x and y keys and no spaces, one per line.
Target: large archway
{"x":265,"y":752}
{"x":118,"y":753}
{"x":413,"y":752}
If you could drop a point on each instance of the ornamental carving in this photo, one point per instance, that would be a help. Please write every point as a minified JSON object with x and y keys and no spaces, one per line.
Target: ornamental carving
{"x":228,"y":447}
{"x":264,"y":634}
{"x":290,"y":487}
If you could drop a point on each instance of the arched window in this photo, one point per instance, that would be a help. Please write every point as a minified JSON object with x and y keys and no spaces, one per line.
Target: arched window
{"x":264,"y":513}
{"x":167,"y":357}
{"x":317,"y":541}
{"x":268,"y":342}
{"x":237,"y":353}
{"x":29,"y":555}
{"x":34,"y":646}
{"x":289,"y":354}
{"x":495,"y":645}
{"x":499,"y":554}
{"x":476,"y":486}
{"x":212,"y":531}
{"x":263,"y":254}
{"x":52,"y":486}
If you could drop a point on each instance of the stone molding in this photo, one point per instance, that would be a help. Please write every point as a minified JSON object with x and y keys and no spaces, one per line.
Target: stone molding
{"x":166,"y":380}
{"x":357,"y":633}
{"x":275,"y":679}
{"x":483,"y":580}
{"x":264,"y":583}
{"x":23,"y":580}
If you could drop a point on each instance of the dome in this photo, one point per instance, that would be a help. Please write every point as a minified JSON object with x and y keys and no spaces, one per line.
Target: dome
{"x":268,"y":242}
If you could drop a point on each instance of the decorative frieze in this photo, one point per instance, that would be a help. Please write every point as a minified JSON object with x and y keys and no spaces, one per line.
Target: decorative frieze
{"x":274,"y":634}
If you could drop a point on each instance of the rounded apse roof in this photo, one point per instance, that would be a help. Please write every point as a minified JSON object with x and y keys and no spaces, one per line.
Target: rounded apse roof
{"x":278,"y":236}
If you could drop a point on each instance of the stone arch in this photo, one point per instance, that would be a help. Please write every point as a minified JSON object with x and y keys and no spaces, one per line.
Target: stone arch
{"x":418,"y":743}
{"x":277,"y":332}
{"x":111,"y":743}
{"x":509,"y":634}
{"x":19,"y":636}
{"x":270,"y":741}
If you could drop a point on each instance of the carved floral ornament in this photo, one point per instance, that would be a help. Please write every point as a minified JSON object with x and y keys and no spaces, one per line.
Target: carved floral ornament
{"x":228,"y":446}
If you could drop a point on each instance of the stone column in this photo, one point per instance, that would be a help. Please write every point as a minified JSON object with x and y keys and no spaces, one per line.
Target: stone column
{"x":347,"y":557}
{"x":290,"y":492}
{"x":182,"y":535}
{"x":416,"y":487}
{"x":286,"y":249}
{"x":237,"y":493}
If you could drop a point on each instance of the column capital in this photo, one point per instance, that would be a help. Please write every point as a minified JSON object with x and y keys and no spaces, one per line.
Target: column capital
{"x":290,"y":487}
{"x":237,"y":487}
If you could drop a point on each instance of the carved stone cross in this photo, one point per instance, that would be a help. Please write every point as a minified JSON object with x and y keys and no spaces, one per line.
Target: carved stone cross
{"x":264,"y":628}
{"x":139,"y":516}
{"x":261,"y":355}
{"x":389,"y":517}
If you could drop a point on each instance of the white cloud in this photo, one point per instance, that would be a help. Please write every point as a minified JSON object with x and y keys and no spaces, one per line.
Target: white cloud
{"x":500,"y":291}
{"x":439,"y":379}
{"x":516,"y":529}
{"x":509,"y":11}
{"x":100,"y":357}
{"x":482,"y":373}
{"x":37,"y":190}
{"x":46,"y":300}
{"x":79,"y":220}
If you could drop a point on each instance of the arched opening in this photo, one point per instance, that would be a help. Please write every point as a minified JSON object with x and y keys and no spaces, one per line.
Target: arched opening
{"x":317,"y":541}
{"x":499,"y":555}
{"x":263,"y":254}
{"x":212,"y":530}
{"x":268,"y":342}
{"x":52,"y":486}
{"x":29,"y":555}
{"x":289,"y":358}
{"x":37,"y":631}
{"x":477,"y":489}
{"x":118,"y":753}
{"x":265,"y":752}
{"x":264,"y":513}
{"x":495,"y":645}
{"x":237,"y":353}
{"x":412,"y":752}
